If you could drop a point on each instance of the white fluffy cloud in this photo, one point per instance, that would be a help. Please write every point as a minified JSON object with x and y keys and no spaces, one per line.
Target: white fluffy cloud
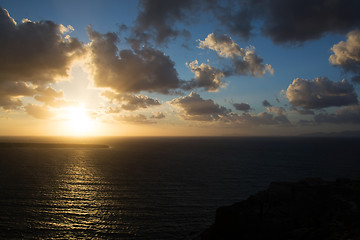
{"x":223,"y":45}
{"x":347,"y":54}
{"x":245,"y":61}
{"x":207,"y":77}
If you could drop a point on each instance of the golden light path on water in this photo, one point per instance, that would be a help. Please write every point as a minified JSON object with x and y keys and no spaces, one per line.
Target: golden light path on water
{"x":83,"y":203}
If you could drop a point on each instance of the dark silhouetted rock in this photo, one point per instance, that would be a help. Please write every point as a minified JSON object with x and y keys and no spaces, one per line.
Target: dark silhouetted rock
{"x":310,"y":209}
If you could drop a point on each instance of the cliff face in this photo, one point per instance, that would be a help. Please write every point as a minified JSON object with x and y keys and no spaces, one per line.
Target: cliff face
{"x":309,"y":209}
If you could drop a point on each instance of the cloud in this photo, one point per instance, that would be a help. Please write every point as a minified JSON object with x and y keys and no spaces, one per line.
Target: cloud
{"x":146,"y":69}
{"x":320,"y":93}
{"x":158,"y":115}
{"x":303,"y":111}
{"x":249,"y":119}
{"x":278,"y":110}
{"x":281,"y":113}
{"x":245,"y":61}
{"x":130,"y":102}
{"x":207,"y":77}
{"x":356,"y":79}
{"x":294,"y":21}
{"x":266,"y":103}
{"x":196,"y":108}
{"x":134,"y":119}
{"x":48,"y":95}
{"x":283,"y":21}
{"x":252,"y":64}
{"x":36,"y":111}
{"x":35,"y":52}
{"x":223,"y":45}
{"x":10,"y":103}
{"x":111,"y":110}
{"x":288,"y":21}
{"x":347,"y":54}
{"x":242,"y":107}
{"x":348,"y":114}
{"x":156,"y":19}
{"x":12,"y":91}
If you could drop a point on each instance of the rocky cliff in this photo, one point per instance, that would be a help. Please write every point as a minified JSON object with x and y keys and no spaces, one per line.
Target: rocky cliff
{"x":308,"y":209}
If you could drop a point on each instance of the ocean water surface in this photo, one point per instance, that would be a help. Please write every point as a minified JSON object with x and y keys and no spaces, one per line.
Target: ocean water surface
{"x":150,"y":188}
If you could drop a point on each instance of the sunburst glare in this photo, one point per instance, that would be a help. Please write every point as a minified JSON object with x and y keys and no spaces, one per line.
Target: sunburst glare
{"x":79,"y":122}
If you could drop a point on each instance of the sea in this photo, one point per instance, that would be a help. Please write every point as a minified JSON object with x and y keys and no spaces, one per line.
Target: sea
{"x":150,"y":187}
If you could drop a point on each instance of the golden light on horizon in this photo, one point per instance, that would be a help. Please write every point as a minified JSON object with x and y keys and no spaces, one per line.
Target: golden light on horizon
{"x":78,"y":121}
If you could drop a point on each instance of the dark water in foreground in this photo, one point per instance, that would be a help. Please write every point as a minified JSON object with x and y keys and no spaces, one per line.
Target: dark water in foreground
{"x":151,"y":188}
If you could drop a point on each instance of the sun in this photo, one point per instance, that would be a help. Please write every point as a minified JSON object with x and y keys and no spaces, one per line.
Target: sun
{"x":79,"y":121}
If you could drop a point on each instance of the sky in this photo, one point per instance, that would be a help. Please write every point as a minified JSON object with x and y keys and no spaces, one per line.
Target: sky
{"x":179,"y":68}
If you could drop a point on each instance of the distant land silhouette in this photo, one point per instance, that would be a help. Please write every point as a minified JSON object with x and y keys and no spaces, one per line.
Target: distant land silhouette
{"x":50,"y":145}
{"x":347,"y":134}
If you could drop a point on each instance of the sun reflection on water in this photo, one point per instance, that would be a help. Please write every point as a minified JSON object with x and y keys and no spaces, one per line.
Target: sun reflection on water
{"x":82,"y":202}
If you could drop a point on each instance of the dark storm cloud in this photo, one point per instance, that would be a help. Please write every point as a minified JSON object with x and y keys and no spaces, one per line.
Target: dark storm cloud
{"x":197,"y":108}
{"x":282,"y":20}
{"x":146,"y":69}
{"x":347,"y":55}
{"x":348,"y":114}
{"x":289,"y":21}
{"x":242,"y":107}
{"x":156,"y":19}
{"x":320,"y":93}
{"x":130,"y":102}
{"x":301,"y":20}
{"x":356,"y":79}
